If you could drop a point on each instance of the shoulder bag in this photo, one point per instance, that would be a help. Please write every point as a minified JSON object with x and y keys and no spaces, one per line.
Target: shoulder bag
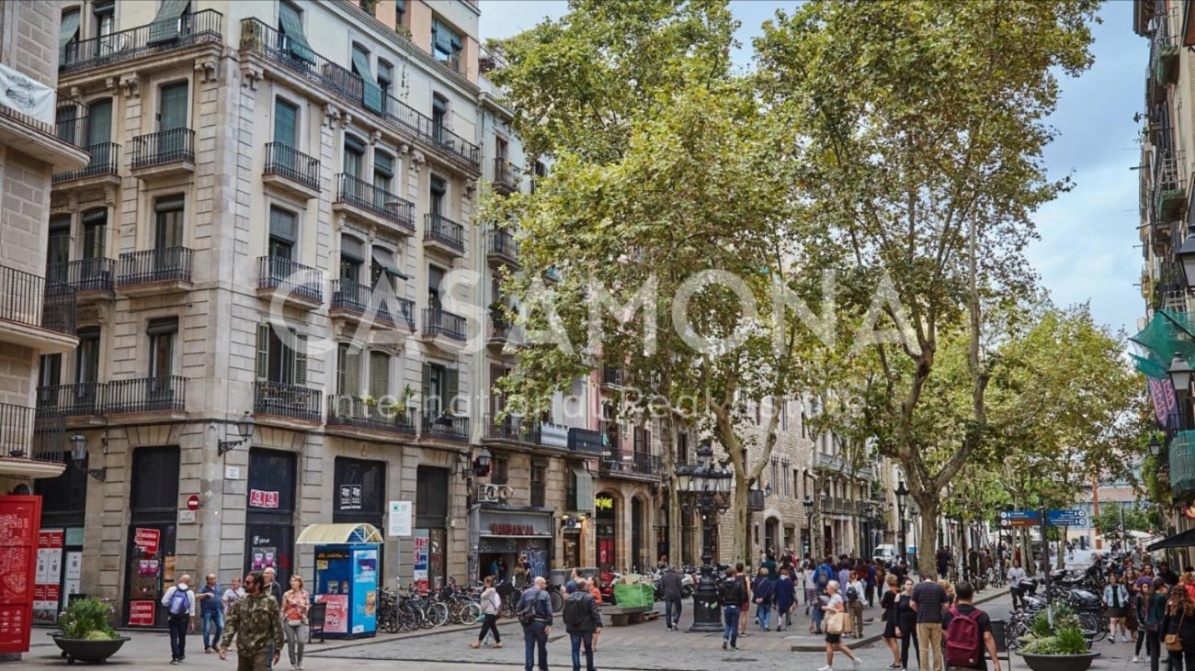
{"x":1173,"y":642}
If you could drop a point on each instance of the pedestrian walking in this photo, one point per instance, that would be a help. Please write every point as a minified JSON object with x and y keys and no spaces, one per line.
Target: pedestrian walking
{"x":1016,"y":575}
{"x":822,"y":576}
{"x":582,"y":620}
{"x":968,"y":633}
{"x":731,"y":595}
{"x":1153,"y":628}
{"x":869,"y":583}
{"x":854,"y":605}
{"x":211,"y":612}
{"x":837,"y":623}
{"x":491,"y":604}
{"x":1141,"y":602}
{"x":785,"y":598}
{"x":1178,"y":630}
{"x":906,"y":624}
{"x":1116,"y":600}
{"x":740,"y":575}
{"x":233,"y":594}
{"x":673,"y":587}
{"x":295,"y":604}
{"x":764,"y":593}
{"x":274,"y":590}
{"x":888,"y":617}
{"x":255,"y":623}
{"x":928,"y":599}
{"x":535,"y":614}
{"x":179,"y":601}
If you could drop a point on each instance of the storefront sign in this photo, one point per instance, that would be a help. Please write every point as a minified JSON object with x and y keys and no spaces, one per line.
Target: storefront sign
{"x":350,"y":497}
{"x":260,"y":499}
{"x":603,"y":503}
{"x":141,"y":613}
{"x":422,"y":548}
{"x":498,"y":522}
{"x":336,"y":617}
{"x":512,"y":530}
{"x":20,"y":517}
{"x":46,"y":588}
{"x":400,"y":519}
{"x":147,"y":540}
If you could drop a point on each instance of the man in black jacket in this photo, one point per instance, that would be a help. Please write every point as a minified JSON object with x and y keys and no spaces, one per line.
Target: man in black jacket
{"x":582,"y":620}
{"x":732,"y":595}
{"x":536,"y":602}
{"x":673,"y":590}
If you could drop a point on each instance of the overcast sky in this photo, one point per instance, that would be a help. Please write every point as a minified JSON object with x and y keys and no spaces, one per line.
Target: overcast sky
{"x":1089,"y":251}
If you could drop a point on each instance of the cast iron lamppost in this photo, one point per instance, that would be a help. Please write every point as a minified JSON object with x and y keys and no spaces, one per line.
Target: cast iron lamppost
{"x":902,"y":496}
{"x":709,"y":484}
{"x":79,"y":457}
{"x":808,"y":504}
{"x":245,"y":426}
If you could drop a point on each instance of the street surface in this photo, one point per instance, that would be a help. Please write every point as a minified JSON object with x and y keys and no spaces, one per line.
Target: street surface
{"x":647,"y":647}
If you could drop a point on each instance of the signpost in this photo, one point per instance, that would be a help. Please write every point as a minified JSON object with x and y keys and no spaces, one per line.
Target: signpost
{"x":1067,"y":518}
{"x":1019,"y":518}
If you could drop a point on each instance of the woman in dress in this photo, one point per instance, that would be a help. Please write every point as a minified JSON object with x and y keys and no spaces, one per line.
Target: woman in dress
{"x":835,"y":608}
{"x":1116,"y":601}
{"x":888,"y":604}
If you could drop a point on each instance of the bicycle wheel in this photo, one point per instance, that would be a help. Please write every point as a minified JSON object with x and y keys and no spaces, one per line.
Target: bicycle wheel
{"x":388,"y":620}
{"x":437,"y":614}
{"x":557,"y":601}
{"x":470,"y":613}
{"x":406,"y":620}
{"x":425,"y":620}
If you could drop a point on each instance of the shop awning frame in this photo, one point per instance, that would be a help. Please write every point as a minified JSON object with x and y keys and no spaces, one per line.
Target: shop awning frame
{"x":334,"y":534}
{"x":1182,"y":539}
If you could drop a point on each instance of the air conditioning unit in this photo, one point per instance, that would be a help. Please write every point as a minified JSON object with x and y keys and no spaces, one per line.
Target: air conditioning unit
{"x":488,"y":493}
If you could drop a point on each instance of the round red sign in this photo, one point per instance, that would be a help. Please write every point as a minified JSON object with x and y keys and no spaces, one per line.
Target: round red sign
{"x":193,"y":502}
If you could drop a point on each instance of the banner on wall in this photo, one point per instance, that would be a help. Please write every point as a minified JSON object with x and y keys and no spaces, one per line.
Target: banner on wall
{"x":47,"y":596}
{"x":141,"y":613}
{"x":422,"y":559}
{"x":26,"y":95}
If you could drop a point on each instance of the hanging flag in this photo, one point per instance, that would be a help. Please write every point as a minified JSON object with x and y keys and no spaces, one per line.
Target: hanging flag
{"x":26,"y":95}
{"x":1163,"y":399}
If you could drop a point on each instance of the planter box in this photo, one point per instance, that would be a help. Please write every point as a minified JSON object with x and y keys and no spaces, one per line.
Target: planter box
{"x":84,"y":650}
{"x":1059,"y":662}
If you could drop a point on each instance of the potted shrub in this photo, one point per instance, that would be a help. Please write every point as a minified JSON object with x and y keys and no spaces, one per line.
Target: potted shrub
{"x":86,"y":633}
{"x":1063,"y":648}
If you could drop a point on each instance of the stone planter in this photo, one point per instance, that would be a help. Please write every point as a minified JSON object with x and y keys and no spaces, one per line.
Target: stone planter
{"x":1059,"y":662}
{"x":85,"y":650}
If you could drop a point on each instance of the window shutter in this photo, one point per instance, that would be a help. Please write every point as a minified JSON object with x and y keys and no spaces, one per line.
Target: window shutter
{"x":263,"y":351}
{"x":69,"y":29}
{"x":352,"y":377}
{"x":292,"y":27}
{"x":342,"y":357}
{"x":372,"y":97}
{"x":427,"y":379}
{"x":301,"y":361}
{"x":286,"y":123}
{"x":165,"y":26}
{"x":452,"y":383}
{"x":383,"y":163}
{"x":379,"y":374}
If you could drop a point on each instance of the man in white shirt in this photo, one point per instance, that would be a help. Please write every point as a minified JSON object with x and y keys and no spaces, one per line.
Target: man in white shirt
{"x":1016,"y":574}
{"x":180,"y":616}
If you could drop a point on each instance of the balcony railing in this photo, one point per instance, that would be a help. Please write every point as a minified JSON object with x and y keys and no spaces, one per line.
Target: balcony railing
{"x":359,"y":298}
{"x":105,"y":160}
{"x":205,"y":26}
{"x":439,"y":228}
{"x":290,"y":277}
{"x":585,"y":441}
{"x":167,"y":146}
{"x":91,"y":274}
{"x":70,"y":124}
{"x":438,"y":322}
{"x":375,"y":200}
{"x":24,"y":435}
{"x":282,"y":399}
{"x":506,"y":174}
{"x":288,"y":162}
{"x":446,"y":427}
{"x":146,"y":394}
{"x":82,"y":399}
{"x":354,"y":412}
{"x":167,"y":264}
{"x":26,"y":299}
{"x":638,"y":463}
{"x":612,"y":376}
{"x":258,"y":38}
{"x":514,"y":429}
{"x":503,"y":245}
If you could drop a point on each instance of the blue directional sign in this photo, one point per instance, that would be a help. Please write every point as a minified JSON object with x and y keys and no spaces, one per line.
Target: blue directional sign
{"x":1019,"y":518}
{"x":1067,"y":518}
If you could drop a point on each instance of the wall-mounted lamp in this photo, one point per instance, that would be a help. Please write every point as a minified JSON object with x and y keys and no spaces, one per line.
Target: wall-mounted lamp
{"x":79,"y":458}
{"x":245,"y":426}
{"x":481,"y":463}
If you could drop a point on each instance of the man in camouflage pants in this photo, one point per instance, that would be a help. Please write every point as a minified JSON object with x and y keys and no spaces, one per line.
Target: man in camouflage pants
{"x":256,"y":623}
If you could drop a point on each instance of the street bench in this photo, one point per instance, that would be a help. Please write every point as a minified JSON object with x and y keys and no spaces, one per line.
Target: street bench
{"x":624,"y":615}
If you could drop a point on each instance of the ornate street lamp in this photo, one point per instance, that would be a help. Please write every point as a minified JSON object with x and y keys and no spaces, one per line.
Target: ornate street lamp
{"x":709,"y":484}
{"x":245,"y":426}
{"x":808,"y":505}
{"x":1155,"y":446}
{"x":902,"y":496}
{"x":79,"y":458}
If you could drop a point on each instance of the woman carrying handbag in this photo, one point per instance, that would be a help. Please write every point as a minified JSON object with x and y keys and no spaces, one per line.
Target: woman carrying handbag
{"x":1178,"y":630}
{"x":838,"y":622}
{"x":295,"y":604}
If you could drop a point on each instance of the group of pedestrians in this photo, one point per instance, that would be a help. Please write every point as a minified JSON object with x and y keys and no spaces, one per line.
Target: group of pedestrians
{"x":254,"y":613}
{"x":940,"y":622}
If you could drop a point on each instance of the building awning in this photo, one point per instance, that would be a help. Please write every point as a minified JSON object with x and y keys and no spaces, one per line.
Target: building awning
{"x":1182,"y":539}
{"x":319,"y":534}
{"x":383,"y":259}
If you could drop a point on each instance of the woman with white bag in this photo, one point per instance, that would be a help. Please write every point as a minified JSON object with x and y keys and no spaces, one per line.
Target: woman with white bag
{"x":838,"y":622}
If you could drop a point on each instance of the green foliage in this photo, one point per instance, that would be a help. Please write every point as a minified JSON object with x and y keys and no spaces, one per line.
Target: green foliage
{"x":1067,"y":640}
{"x":87,"y":619}
{"x":1108,"y":522}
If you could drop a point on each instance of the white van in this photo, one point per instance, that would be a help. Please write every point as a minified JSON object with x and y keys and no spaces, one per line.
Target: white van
{"x":886,"y":554}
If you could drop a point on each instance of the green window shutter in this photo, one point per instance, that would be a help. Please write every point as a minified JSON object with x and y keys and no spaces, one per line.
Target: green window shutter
{"x":427,"y":386}
{"x":372,"y":98}
{"x":99,"y":124}
{"x":342,"y":356}
{"x":452,"y":382}
{"x":292,"y":28}
{"x":379,"y":374}
{"x":172,"y":107}
{"x":301,"y":361}
{"x":286,"y":123}
{"x":263,"y":351}
{"x":165,"y":26}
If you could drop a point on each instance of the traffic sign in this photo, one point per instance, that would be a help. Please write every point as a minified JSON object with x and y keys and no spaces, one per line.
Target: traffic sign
{"x":1067,"y":518}
{"x":1019,"y":518}
{"x":193,"y":502}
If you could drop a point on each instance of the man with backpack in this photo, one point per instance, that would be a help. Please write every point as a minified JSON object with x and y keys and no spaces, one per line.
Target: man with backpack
{"x":673,"y":586}
{"x":968,"y":633}
{"x":180,"y":607}
{"x":731,"y":595}
{"x":582,"y":620}
{"x":822,"y":575}
{"x":535,"y":614}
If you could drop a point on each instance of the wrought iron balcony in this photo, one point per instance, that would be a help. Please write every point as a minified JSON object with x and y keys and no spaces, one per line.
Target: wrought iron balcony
{"x":174,"y":146}
{"x":70,"y":124}
{"x":444,"y":233}
{"x":299,"y":285}
{"x":457,"y":148}
{"x":501,"y":247}
{"x":167,"y":393}
{"x":368,"y":199}
{"x":291,"y":401}
{"x":150,"y":39}
{"x":152,"y":268}
{"x":27,"y":299}
{"x":25,"y":435}
{"x":351,"y":411}
{"x":104,"y":164}
{"x":506,"y":175}
{"x":437,"y":322}
{"x":633,"y":463}
{"x":90,"y":277}
{"x":294,"y":166}
{"x":83,"y":399}
{"x":356,"y":301}
{"x":514,"y":429}
{"x":445,"y":427}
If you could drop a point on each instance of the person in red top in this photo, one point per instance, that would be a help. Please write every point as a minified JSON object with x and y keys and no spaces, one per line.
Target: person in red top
{"x":295,"y":604}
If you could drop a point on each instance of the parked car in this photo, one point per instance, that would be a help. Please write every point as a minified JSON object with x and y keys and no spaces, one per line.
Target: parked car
{"x":886,"y":554}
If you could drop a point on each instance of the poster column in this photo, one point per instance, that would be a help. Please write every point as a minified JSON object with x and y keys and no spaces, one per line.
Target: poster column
{"x":20,"y":517}
{"x":48,"y":583}
{"x":422,"y":560}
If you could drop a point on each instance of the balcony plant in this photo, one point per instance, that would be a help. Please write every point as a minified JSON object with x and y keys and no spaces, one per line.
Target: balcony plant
{"x":86,"y":632}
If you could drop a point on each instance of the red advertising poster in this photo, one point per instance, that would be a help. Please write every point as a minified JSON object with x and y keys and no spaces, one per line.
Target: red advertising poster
{"x":20,"y":518}
{"x":141,"y":613}
{"x":148,"y":540}
{"x":46,"y":592}
{"x":336,"y":617}
{"x":260,"y":499}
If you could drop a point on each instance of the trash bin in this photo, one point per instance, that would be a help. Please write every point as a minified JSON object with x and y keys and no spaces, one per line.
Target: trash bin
{"x":634,"y":595}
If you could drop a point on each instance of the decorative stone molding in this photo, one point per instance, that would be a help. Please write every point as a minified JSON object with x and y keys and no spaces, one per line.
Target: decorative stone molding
{"x":331,"y":115}
{"x":207,"y":69}
{"x":375,"y":137}
{"x":470,"y":187}
{"x":346,"y":119}
{"x":404,"y":149}
{"x":250,"y":75}
{"x":131,"y":84}
{"x":110,"y":83}
{"x":417,"y":160}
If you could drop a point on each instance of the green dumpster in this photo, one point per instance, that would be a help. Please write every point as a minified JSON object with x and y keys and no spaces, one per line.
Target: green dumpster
{"x":634,"y":595}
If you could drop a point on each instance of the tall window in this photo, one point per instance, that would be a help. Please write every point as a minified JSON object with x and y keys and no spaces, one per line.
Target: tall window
{"x":354,"y":155}
{"x":352,"y":257}
{"x":400,"y":14}
{"x":104,"y":12}
{"x":282,"y":233}
{"x":383,"y":171}
{"x":172,"y":107}
{"x":385,"y":76}
{"x":68,"y":36}
{"x":541,"y":170}
{"x":348,"y":370}
{"x":435,"y":277}
{"x":58,"y":248}
{"x":95,"y":223}
{"x":99,"y":122}
{"x":440,"y":388}
{"x":161,"y":346}
{"x":49,"y":373}
{"x":446,"y":45}
{"x":286,"y":123}
{"x":168,"y":222}
{"x":379,"y":374}
{"x":439,"y":116}
{"x":279,"y":361}
{"x":87,"y":355}
{"x":438,"y":189}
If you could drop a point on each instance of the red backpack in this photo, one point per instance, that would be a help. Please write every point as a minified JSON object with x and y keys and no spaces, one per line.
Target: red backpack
{"x":964,"y":645}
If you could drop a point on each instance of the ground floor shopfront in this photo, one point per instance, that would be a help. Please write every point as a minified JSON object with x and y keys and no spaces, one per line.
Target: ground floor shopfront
{"x":168,"y":506}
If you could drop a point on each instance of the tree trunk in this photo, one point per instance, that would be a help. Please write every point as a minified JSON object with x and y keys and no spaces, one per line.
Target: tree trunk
{"x":927,"y":543}
{"x":671,"y":495}
{"x":741,"y":551}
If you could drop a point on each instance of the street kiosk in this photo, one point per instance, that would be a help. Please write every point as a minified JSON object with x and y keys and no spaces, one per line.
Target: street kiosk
{"x":346,"y":577}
